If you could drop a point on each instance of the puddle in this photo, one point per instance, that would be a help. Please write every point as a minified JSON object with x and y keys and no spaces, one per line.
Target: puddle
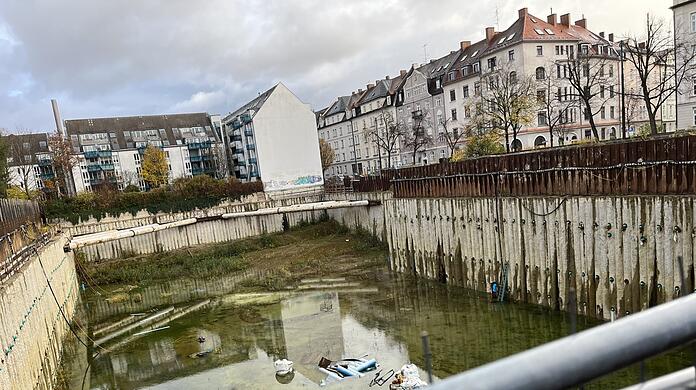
{"x":216,"y":340}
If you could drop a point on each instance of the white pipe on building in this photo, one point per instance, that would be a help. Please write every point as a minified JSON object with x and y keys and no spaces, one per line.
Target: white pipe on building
{"x":299,"y":208}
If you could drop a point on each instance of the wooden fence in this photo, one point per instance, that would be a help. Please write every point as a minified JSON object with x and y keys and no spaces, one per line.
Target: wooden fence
{"x":20,"y":232}
{"x":657,"y":166}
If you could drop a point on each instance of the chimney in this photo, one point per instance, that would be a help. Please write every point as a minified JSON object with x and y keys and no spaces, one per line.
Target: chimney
{"x":581,"y":23}
{"x":523,"y":13}
{"x":56,"y":116}
{"x":490,"y":32}
{"x":359,"y":90}
{"x":369,"y":86}
{"x":611,"y":37}
{"x":386,"y":77}
{"x":402,"y":73}
{"x":601,"y":35}
{"x":464,"y":45}
{"x":565,"y":20}
{"x":552,"y":19}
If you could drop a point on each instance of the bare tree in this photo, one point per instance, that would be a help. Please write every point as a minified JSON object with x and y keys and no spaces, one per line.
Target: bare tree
{"x":417,"y":138}
{"x":652,"y":55}
{"x":509,"y":102}
{"x":385,"y":133}
{"x":327,"y":154}
{"x":453,"y":136}
{"x":63,"y":163}
{"x":588,"y":75}
{"x":23,"y":171}
{"x":219,"y":161}
{"x":556,"y":108}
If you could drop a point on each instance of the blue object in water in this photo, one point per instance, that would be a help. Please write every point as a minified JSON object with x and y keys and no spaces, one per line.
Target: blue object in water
{"x":345,"y":371}
{"x":362,"y":367}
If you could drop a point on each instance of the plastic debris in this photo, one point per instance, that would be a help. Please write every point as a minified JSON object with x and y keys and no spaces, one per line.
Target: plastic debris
{"x":407,"y":378}
{"x":283,"y":367}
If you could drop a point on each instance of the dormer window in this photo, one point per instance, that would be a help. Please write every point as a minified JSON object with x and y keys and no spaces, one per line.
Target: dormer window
{"x":475,"y":54}
{"x":464,"y":58}
{"x":509,"y":38}
{"x":501,"y":40}
{"x":539,"y":31}
{"x":549,"y":31}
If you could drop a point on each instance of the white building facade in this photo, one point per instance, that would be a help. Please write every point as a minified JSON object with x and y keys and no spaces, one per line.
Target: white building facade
{"x":685,"y":34}
{"x":273,"y":138}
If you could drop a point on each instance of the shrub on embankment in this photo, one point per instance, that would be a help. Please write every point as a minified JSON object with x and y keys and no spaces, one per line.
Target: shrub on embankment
{"x":184,"y":194}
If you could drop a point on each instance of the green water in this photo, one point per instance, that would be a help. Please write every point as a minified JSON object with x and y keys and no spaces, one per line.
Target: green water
{"x":383,"y":319}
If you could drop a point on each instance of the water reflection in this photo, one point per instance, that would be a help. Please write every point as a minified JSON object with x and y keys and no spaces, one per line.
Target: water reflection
{"x":232,"y":341}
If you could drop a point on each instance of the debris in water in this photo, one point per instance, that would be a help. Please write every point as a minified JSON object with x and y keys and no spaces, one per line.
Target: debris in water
{"x":283,"y":367}
{"x":407,"y":378}
{"x":197,"y":355}
{"x":201,"y":339}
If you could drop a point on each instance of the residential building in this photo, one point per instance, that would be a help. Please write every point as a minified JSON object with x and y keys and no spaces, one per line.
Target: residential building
{"x":110,"y":150}
{"x":685,"y":34}
{"x":542,"y":50}
{"x":265,"y":138}
{"x":424,"y":106}
{"x":29,"y":161}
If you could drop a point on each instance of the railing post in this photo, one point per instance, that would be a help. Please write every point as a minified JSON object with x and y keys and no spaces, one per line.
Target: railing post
{"x":428,"y":356}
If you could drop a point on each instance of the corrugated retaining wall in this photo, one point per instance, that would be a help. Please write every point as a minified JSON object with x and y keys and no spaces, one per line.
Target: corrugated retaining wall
{"x":31,"y":326}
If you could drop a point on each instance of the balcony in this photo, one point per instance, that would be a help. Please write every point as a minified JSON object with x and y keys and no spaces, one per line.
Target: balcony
{"x":93,"y":168}
{"x":241,"y":161}
{"x":104,"y":153}
{"x":249,"y":132}
{"x":199,"y":145}
{"x":253,"y":160}
{"x":236,"y":138}
{"x":243,"y":176}
{"x":251,"y":147}
{"x":200,"y":158}
{"x":91,"y":154}
{"x":236,"y":124}
{"x":254,"y":174}
{"x":47,"y":176}
{"x":246,"y":118}
{"x":44,"y":162}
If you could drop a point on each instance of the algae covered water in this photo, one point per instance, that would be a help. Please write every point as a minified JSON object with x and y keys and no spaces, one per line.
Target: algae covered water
{"x":214,"y":340}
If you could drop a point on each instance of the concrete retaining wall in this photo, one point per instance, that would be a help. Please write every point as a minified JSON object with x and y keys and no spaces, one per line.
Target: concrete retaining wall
{"x":31,"y":326}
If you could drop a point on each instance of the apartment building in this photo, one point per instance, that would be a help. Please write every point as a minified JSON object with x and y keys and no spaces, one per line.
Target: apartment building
{"x":685,"y":34}
{"x":424,"y":106}
{"x":356,"y":125}
{"x":29,"y":161}
{"x":109,"y":151}
{"x":265,"y":137}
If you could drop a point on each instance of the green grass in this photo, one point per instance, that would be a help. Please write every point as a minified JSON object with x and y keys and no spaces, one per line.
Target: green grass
{"x":286,"y":253}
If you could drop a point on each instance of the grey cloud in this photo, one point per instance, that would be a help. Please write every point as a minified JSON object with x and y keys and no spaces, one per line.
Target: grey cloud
{"x":136,"y":57}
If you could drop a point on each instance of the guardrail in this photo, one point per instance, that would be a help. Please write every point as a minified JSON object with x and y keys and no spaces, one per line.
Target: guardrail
{"x":579,"y":358}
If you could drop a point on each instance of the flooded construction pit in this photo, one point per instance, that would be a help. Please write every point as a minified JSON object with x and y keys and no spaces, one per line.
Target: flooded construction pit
{"x":206,"y":333}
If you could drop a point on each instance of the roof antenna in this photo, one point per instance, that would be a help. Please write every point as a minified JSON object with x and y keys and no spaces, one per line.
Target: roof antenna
{"x":425,"y":53}
{"x":497,"y":15}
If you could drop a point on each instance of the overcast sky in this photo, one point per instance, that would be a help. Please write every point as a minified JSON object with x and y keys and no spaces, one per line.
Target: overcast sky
{"x":139,"y":57}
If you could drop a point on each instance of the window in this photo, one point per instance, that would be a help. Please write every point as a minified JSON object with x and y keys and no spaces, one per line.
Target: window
{"x":694,"y":116}
{"x":540,"y":142}
{"x":611,"y":70}
{"x":467,"y":112}
{"x":491,"y":63}
{"x":611,"y":91}
{"x":453,"y":95}
{"x":540,"y":73}
{"x":549,"y":31}
{"x":513,"y":77}
{"x":454,"y":114}
{"x":465,"y":90}
{"x":603,"y":113}
{"x":541,"y":118}
{"x":611,"y":112}
{"x":540,"y":51}
{"x":601,"y":71}
{"x":511,"y":55}
{"x":477,"y":67}
{"x":558,"y":50}
{"x":693,"y":22}
{"x":477,"y":89}
{"x":541,"y":96}
{"x":601,"y":91}
{"x":539,"y":31}
{"x":694,"y":86}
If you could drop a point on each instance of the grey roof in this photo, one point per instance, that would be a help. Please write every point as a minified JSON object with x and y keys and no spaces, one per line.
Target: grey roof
{"x":17,"y":149}
{"x":255,"y":105}
{"x":438,"y":67}
{"x":380,"y":90}
{"x":119,"y":125}
{"x":340,"y":105}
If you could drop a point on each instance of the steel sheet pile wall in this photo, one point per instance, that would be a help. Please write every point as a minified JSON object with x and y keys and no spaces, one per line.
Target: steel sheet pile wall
{"x":619,"y":253}
{"x":15,"y":213}
{"x":203,"y":232}
{"x":31,"y":326}
{"x":660,"y":166}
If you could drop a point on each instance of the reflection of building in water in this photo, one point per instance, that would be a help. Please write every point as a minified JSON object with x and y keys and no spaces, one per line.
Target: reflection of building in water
{"x":312,"y":328}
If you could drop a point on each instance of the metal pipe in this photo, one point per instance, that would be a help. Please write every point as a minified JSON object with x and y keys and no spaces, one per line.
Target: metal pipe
{"x":683,"y":379}
{"x":298,"y":208}
{"x":580,"y":358}
{"x":428,"y":356}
